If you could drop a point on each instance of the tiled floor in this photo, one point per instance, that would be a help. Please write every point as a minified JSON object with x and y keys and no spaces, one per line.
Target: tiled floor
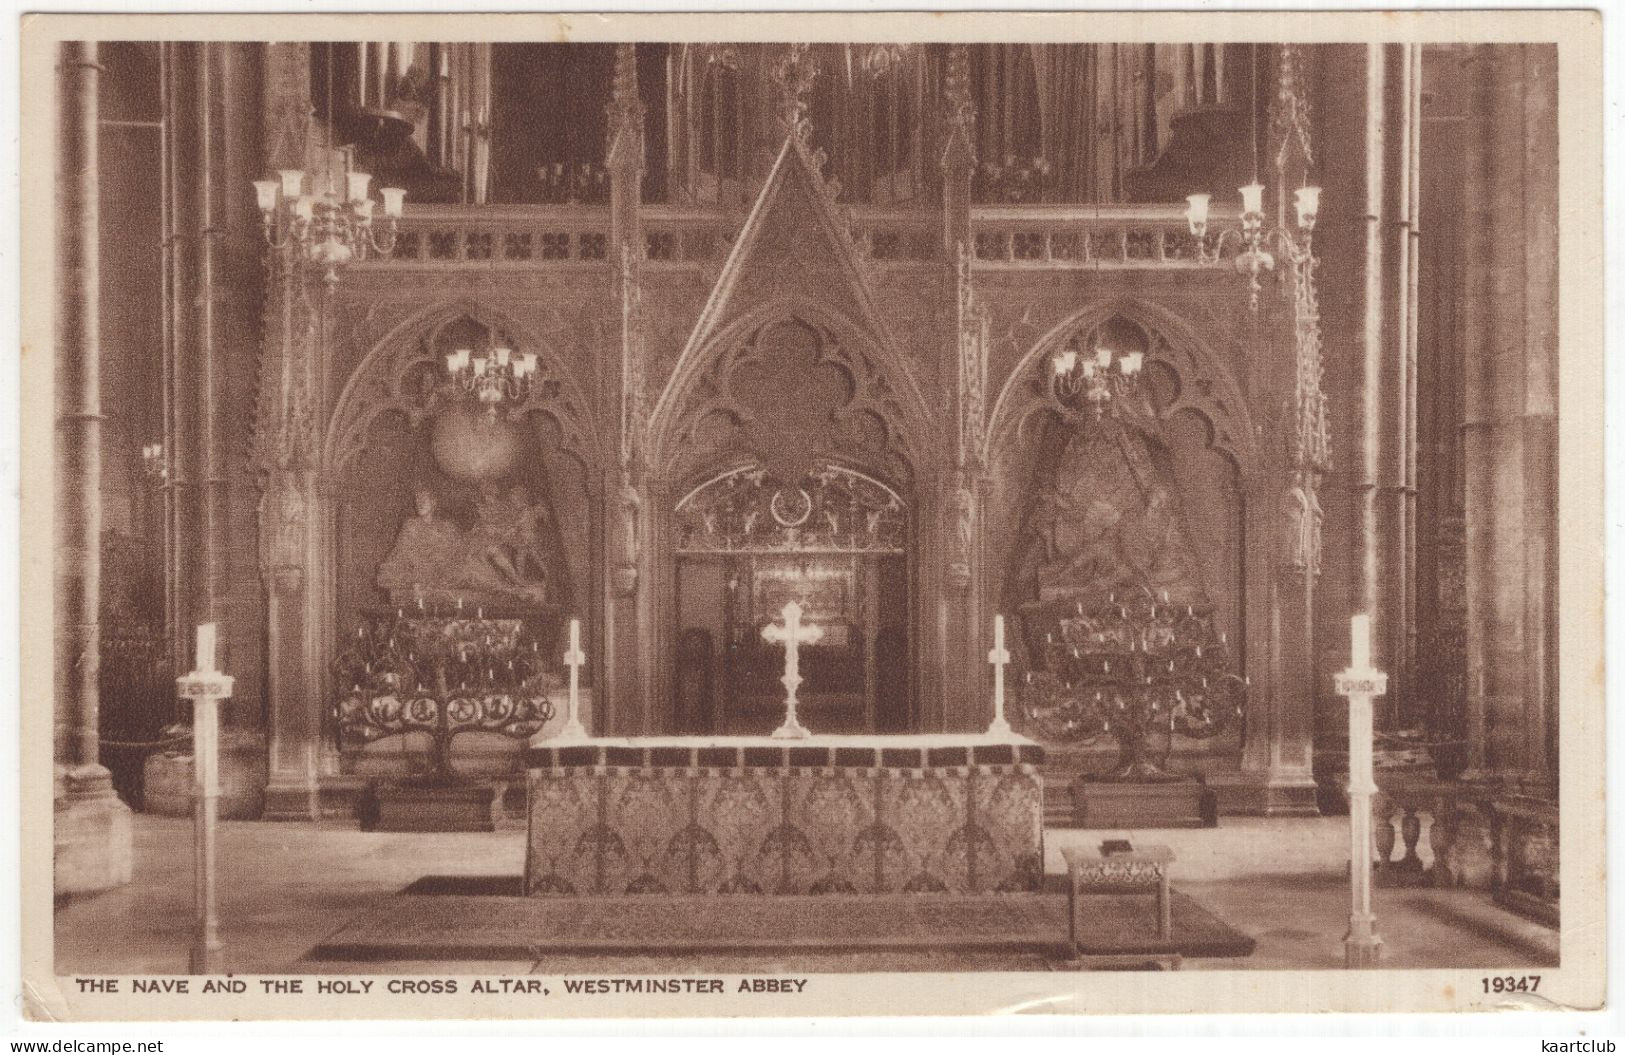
{"x":286,"y":886}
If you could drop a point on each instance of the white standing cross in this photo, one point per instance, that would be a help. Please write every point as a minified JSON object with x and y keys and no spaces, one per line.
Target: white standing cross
{"x":1360,"y":683}
{"x":998,"y":655}
{"x":574,"y":658}
{"x":205,"y":687}
{"x":792,"y":634}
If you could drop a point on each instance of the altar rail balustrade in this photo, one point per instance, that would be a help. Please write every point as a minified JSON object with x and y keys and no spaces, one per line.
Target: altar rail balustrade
{"x":1015,"y":237}
{"x":1431,"y":832}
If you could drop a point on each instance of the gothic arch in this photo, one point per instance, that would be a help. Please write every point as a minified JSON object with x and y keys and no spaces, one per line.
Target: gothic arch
{"x":1207,"y":387}
{"x":881,"y":383}
{"x":381,"y":382}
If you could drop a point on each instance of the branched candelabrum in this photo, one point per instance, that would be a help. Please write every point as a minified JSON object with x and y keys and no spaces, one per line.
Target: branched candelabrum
{"x":1132,"y":667}
{"x":1253,"y":239}
{"x":441,"y":674}
{"x":329,"y":229}
{"x":496,"y":377}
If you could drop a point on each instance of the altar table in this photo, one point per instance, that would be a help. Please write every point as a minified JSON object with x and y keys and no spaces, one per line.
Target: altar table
{"x":946,"y":813}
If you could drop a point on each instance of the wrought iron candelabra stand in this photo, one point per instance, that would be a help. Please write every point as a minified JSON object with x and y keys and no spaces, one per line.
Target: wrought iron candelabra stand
{"x":1134,"y":668}
{"x":442,"y":674}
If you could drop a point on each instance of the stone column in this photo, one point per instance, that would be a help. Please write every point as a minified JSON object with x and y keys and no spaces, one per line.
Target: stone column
{"x":1365,"y":460}
{"x":220,"y":218}
{"x":287,"y":464}
{"x":968,"y":703}
{"x":1355,"y":288}
{"x":1509,"y":435}
{"x":181,"y":392}
{"x":1394,"y":496}
{"x":959,"y":153}
{"x":92,"y":827}
{"x":630,"y":663}
{"x":239,"y":280}
{"x":210,"y":375}
{"x":1283,"y":519}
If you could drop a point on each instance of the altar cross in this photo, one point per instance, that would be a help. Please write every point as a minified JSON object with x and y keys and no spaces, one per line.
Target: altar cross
{"x":1359,"y":683}
{"x":999,"y":656}
{"x":792,"y":635}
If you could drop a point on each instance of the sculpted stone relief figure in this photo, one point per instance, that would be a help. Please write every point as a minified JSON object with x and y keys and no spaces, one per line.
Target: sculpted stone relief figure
{"x":1107,"y":519}
{"x":504,"y":557}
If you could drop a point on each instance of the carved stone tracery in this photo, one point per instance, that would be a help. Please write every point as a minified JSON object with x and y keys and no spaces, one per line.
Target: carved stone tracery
{"x":1194,"y":383}
{"x":791,"y":393}
{"x":405,"y":377}
{"x":832,"y":510}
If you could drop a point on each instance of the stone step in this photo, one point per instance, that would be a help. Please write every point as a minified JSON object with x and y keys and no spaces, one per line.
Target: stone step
{"x":1058,"y":808}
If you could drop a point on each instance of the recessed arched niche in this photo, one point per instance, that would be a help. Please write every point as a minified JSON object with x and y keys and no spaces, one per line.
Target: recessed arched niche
{"x":443,"y":499}
{"x":1134,"y":491}
{"x":836,"y":543}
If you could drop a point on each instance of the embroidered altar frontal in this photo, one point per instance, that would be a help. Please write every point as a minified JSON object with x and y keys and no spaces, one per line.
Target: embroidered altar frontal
{"x":828,"y":815}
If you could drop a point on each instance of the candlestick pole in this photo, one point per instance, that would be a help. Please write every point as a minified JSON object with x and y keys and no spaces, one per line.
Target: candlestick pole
{"x":1360,"y":683}
{"x":205,"y":687}
{"x":998,"y":655}
{"x":574,"y":658}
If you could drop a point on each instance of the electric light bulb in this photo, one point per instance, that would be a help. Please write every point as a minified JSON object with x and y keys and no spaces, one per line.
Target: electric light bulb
{"x":394,"y":201}
{"x":1252,"y":198}
{"x":1307,"y":200}
{"x":1196,"y":212}
{"x":358,"y":184}
{"x":265,"y":193}
{"x":293,"y":182}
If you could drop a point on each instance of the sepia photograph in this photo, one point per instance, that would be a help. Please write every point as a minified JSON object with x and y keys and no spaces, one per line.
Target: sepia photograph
{"x":549,"y":516}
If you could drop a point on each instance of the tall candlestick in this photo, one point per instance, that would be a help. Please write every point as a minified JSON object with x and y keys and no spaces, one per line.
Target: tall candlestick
{"x":205,"y":647}
{"x":1359,"y":683}
{"x":1360,"y":631}
{"x":205,"y":687}
{"x":998,"y":655}
{"x":574,"y":658}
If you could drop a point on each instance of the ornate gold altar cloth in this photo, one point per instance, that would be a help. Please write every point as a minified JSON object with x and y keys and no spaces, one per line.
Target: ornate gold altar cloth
{"x":948,"y":813}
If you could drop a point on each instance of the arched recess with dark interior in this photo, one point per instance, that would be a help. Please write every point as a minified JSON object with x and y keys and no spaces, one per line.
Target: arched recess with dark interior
{"x":439,"y":500}
{"x":1151,"y":494}
{"x":787,"y":473}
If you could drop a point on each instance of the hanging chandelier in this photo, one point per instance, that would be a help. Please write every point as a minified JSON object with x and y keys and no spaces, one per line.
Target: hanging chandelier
{"x":1253,"y":239}
{"x":1088,"y":384}
{"x":328,"y":230}
{"x":324,"y":230}
{"x":495,"y":378}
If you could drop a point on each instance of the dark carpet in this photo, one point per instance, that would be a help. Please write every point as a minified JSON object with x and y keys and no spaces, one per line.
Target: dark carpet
{"x":483,"y":918}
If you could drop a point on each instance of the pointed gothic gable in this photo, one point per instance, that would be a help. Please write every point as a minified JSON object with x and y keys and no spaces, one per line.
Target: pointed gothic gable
{"x":794,"y":245}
